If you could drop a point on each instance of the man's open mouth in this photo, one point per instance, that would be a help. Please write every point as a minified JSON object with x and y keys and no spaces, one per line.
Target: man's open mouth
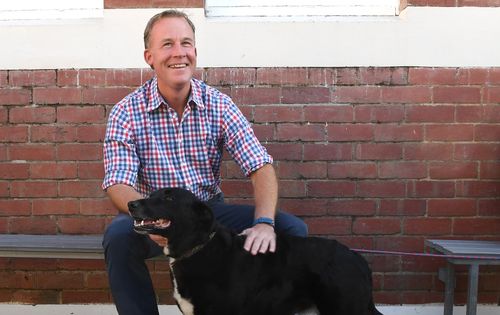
{"x":178,"y":66}
{"x":146,"y":224}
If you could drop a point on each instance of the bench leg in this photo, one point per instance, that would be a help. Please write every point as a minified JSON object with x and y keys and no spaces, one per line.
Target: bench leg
{"x":447,"y":275}
{"x":472,"y":289}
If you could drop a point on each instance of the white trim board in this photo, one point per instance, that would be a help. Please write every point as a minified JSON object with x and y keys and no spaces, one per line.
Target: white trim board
{"x":109,"y":309}
{"x":420,"y":36}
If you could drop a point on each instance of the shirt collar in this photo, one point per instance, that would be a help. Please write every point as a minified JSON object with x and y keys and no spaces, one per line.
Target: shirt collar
{"x":156,"y":100}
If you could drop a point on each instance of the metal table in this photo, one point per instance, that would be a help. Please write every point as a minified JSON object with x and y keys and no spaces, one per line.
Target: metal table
{"x":464,"y":252}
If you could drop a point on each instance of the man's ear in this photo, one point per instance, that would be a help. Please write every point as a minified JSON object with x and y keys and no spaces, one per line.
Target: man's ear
{"x":148,"y":57}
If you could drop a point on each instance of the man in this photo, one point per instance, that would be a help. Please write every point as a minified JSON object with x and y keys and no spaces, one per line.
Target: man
{"x":170,"y":132}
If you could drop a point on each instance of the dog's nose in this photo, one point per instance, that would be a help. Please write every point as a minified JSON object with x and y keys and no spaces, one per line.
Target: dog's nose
{"x":133,"y":204}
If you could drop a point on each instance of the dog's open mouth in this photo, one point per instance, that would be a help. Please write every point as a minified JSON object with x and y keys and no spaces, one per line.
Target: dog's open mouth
{"x":146,"y":224}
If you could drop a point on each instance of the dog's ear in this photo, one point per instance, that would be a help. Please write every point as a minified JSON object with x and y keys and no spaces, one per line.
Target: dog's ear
{"x":205,"y":214}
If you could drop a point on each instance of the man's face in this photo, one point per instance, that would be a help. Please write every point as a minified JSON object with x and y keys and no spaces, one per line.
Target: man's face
{"x":171,"y":52}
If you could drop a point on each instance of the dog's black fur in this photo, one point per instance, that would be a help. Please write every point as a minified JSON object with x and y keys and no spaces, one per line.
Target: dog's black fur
{"x":213,"y":274}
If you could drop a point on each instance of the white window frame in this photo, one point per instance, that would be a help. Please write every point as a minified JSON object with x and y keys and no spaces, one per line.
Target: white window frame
{"x":39,"y":10}
{"x":301,"y":8}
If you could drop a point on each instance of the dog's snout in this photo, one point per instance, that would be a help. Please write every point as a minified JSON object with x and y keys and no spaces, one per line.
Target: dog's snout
{"x":133,"y":204}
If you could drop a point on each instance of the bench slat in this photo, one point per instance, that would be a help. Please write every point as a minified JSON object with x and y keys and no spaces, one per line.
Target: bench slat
{"x":466,"y":247}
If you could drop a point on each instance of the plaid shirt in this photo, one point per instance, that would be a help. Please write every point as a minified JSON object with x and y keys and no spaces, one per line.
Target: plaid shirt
{"x":148,"y":147}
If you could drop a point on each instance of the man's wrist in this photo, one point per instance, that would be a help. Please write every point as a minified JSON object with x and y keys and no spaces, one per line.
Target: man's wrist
{"x":263,"y":220}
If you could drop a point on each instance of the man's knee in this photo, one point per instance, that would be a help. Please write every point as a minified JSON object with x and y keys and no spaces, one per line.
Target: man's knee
{"x":291,"y":225}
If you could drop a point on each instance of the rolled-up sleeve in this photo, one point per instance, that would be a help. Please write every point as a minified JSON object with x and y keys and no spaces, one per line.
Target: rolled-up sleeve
{"x":121,"y":163}
{"x":241,"y":142}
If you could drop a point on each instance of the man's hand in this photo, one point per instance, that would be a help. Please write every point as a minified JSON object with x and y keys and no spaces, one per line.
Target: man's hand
{"x":260,"y":239}
{"x":160,"y":240}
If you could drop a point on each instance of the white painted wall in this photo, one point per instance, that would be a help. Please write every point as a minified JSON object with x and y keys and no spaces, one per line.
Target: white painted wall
{"x":420,"y":36}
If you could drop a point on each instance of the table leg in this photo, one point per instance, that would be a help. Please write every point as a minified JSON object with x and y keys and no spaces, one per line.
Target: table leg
{"x":472,"y":289}
{"x":447,"y":275}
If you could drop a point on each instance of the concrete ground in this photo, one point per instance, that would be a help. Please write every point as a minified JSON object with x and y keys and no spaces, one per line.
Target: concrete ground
{"x":108,"y":309}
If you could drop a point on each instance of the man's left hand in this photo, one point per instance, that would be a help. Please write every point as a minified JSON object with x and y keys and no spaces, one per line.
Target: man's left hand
{"x":260,"y":239}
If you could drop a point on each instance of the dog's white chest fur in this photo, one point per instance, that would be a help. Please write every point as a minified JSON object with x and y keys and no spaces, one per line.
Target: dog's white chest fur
{"x":184,"y":304}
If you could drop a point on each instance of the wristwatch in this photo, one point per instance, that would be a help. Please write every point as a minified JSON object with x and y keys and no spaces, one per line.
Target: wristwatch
{"x":264,"y":220}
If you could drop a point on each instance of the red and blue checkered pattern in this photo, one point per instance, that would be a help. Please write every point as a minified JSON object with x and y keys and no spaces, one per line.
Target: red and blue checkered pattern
{"x":148,"y":147}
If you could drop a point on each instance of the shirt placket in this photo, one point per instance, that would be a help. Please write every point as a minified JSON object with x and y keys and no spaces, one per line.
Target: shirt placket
{"x":180,"y":147}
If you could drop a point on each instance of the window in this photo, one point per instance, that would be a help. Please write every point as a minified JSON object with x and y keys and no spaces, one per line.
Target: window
{"x":19,"y":10}
{"x":302,"y":8}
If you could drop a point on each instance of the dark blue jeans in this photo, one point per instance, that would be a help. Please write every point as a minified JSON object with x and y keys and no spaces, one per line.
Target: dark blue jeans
{"x":125,"y":252}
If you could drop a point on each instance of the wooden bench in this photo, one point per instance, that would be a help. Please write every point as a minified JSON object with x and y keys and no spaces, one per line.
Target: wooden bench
{"x":464,"y":252}
{"x":51,"y":246}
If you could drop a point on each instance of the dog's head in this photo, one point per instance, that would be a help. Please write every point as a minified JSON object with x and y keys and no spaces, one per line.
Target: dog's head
{"x":176,"y":214}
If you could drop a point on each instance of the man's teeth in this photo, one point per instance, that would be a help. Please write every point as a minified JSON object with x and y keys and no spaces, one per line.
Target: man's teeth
{"x":182,"y":65}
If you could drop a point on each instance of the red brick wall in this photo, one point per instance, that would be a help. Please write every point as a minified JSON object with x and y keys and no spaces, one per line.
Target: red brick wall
{"x":455,"y":3}
{"x":379,"y":158}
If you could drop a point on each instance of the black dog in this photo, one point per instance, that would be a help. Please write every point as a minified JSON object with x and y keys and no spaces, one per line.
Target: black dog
{"x":213,"y":274}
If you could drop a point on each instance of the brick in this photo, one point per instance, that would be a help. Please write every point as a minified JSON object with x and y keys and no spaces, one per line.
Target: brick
{"x":79,"y":152}
{"x":382,"y":76}
{"x":356,"y":94}
{"x":396,"y":133}
{"x":282,"y":76}
{"x":301,"y":170}
{"x":432,"y":76}
{"x":488,"y":132}
{"x":263,"y":132}
{"x":59,"y":280}
{"x":379,"y":151}
{"x":292,"y":188}
{"x":384,"y":226}
{"x":231,"y":76}
{"x":405,"y":94}
{"x":17,"y":279}
{"x":380,"y":189}
{"x":453,"y":94}
{"x":104,"y":95}
{"x":328,"y":113}
{"x":453,"y":170}
{"x":32,"y":225}
{"x":13,"y":134}
{"x":32,"y":78}
{"x":469,"y":113}
{"x":475,"y":226}
{"x":278,"y":114}
{"x":351,"y":207}
{"x":53,"y":170}
{"x":431,"y":189}
{"x":92,"y":77}
{"x":479,"y":189}
{"x":4,"y":115}
{"x":327,"y":152}
{"x":427,"y":226}
{"x":402,"y":170}
{"x":298,"y":132}
{"x":89,"y":206}
{"x":478,"y":3}
{"x":488,"y":207}
{"x":38,"y":189}
{"x":494,"y":76}
{"x":90,"y":170}
{"x":319,"y":76}
{"x":328,"y":226}
{"x":427,"y":113}
{"x":55,"y":206}
{"x":237,"y":188}
{"x":57,"y":95}
{"x":80,"y":188}
{"x":32,"y":152}
{"x":115,"y":4}
{"x":473,"y":76}
{"x":376,"y":113}
{"x":81,"y":114}
{"x":81,"y":225}
{"x":123,"y":77}
{"x":14,"y":171}
{"x":304,"y":207}
{"x":329,"y":189}
{"x":449,"y":132}
{"x":15,"y":207}
{"x":476,"y":151}
{"x":428,"y":151}
{"x":400,"y":243}
{"x":85,"y":297}
{"x":15,"y":96}
{"x":350,"y":132}
{"x":256,"y":95}
{"x":35,"y":297}
{"x":56,"y":133}
{"x":39,"y":115}
{"x":305,"y":95}
{"x":491,"y":114}
{"x":402,"y":207}
{"x":451,"y":207}
{"x":489,"y":170}
{"x":4,"y":78}
{"x":285,"y":151}
{"x":407,"y":282}
{"x":338,"y":170}
{"x":67,"y":77}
